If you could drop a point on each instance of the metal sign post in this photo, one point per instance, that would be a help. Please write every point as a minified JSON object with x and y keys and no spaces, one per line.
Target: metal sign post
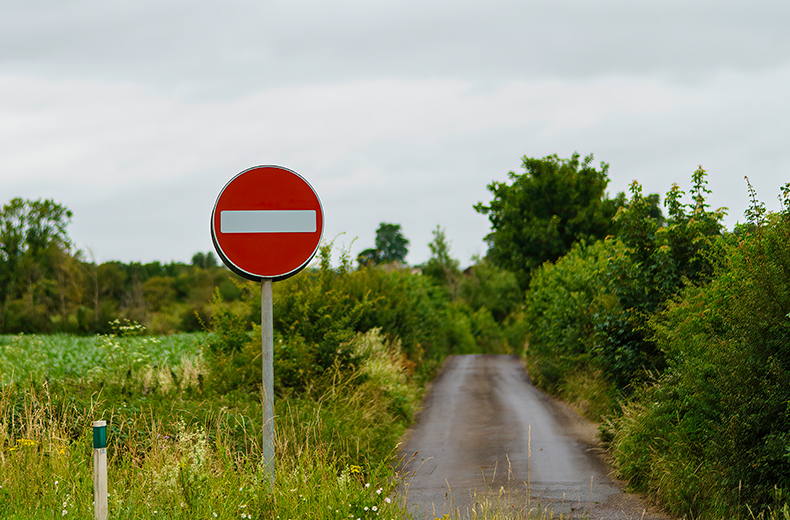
{"x":266,"y":226}
{"x":267,"y":346}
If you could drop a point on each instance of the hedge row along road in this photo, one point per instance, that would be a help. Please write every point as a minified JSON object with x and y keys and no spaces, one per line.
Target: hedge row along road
{"x":485,"y":426}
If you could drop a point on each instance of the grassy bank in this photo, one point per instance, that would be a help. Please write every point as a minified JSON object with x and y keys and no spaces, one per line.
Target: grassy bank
{"x":178,"y":448}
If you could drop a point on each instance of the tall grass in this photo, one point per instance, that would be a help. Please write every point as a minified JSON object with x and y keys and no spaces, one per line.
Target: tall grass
{"x":178,"y":448}
{"x":175,"y":467}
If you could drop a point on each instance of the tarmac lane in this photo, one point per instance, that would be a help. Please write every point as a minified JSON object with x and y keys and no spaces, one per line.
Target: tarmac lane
{"x":486,"y":433}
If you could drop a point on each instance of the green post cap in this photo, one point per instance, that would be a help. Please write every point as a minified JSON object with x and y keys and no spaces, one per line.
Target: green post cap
{"x":99,"y":434}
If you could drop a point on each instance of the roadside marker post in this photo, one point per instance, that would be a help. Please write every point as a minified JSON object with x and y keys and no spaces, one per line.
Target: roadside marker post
{"x":266,"y":226}
{"x":100,"y":470}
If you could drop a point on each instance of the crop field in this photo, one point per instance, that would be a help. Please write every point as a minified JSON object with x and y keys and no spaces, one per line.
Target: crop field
{"x":92,"y":358}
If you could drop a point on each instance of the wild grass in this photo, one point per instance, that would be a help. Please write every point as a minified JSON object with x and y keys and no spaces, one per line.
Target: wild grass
{"x":177,"y":468}
{"x":589,"y":393}
{"x":201,"y":463}
{"x":180,"y":449}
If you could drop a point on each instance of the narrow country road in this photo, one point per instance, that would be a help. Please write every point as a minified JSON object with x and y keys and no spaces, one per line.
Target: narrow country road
{"x":485,"y":428}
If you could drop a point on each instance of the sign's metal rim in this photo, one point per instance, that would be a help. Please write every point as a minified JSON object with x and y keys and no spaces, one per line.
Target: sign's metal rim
{"x":242,"y":272}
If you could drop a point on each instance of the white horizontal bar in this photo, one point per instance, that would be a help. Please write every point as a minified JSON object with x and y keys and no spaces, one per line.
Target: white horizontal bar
{"x":272,"y":221}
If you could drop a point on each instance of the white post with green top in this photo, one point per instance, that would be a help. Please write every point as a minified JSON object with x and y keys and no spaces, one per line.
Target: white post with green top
{"x":100,"y":470}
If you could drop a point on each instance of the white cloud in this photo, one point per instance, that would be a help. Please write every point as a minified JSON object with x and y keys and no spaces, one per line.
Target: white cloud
{"x":239,"y":47}
{"x":136,"y":116}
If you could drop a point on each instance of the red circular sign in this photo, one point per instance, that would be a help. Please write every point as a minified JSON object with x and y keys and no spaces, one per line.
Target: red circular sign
{"x":267,"y":223}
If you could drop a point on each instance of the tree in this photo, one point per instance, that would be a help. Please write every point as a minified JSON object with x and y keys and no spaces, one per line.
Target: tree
{"x":391,"y":246}
{"x":40,"y":279}
{"x":487,"y":285}
{"x":28,"y":228}
{"x":368,"y":257}
{"x":545,"y":210}
{"x":158,"y":292}
{"x":204,"y":260}
{"x":441,"y":266}
{"x":668,"y":253}
{"x":657,"y":262}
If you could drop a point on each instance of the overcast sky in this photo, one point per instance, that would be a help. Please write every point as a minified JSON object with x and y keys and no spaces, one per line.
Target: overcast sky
{"x":135,"y":114}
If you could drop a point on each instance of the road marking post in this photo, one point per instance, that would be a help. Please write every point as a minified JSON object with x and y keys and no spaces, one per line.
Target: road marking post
{"x":100,"y":470}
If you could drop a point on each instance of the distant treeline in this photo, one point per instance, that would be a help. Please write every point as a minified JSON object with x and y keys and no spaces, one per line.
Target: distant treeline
{"x":47,"y":286}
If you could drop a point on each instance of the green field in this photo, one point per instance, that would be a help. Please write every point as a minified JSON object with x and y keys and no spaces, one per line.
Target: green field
{"x":92,"y":358}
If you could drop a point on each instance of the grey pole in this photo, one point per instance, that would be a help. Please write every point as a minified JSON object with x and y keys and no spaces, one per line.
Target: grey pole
{"x":267,"y":344}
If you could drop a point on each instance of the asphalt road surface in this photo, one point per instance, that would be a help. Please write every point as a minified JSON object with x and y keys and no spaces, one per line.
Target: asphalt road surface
{"x":487,"y":435}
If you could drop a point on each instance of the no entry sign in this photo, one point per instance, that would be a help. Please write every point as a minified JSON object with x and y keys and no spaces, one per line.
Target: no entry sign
{"x":267,"y":223}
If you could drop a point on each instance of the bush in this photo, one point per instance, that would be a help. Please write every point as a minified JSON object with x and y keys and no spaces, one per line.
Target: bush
{"x":710,"y":435}
{"x":588,"y":311}
{"x":560,"y":308}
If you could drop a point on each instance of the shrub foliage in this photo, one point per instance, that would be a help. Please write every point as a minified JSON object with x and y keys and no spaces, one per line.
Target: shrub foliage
{"x":680,"y":333}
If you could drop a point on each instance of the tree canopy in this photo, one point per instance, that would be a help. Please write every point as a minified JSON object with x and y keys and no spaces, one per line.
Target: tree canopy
{"x":542,"y":212}
{"x":391,"y":246}
{"x":47,"y":286}
{"x":38,"y":274}
{"x":441,"y":266}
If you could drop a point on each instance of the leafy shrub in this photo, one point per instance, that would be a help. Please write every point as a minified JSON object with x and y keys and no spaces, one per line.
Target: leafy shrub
{"x":559,"y":310}
{"x":659,"y":261}
{"x":228,"y":328}
{"x":485,"y":285}
{"x":710,"y":435}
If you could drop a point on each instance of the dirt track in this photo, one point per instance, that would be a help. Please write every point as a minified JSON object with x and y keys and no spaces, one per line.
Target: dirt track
{"x":486,"y":428}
